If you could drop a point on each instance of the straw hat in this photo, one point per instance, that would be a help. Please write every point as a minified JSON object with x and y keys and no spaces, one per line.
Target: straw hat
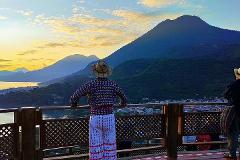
{"x":101,"y":69}
{"x":237,"y":73}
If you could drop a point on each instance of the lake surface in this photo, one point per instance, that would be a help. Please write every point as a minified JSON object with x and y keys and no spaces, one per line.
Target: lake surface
{"x":6,"y":118}
{"x":7,"y":85}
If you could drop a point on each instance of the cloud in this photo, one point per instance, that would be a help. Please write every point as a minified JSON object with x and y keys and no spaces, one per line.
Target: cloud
{"x":24,"y":12}
{"x":130,"y":15}
{"x":5,"y":60}
{"x":21,"y":12}
{"x":32,"y":51}
{"x":4,"y":8}
{"x":136,"y":17}
{"x":84,"y":30}
{"x":86,"y":25}
{"x":81,"y":1}
{"x":103,"y":10}
{"x":92,"y":34}
{"x":54,"y":44}
{"x":3,"y":65}
{"x":3,"y":17}
{"x":160,"y":3}
{"x":75,"y":9}
{"x":139,"y":22}
{"x":43,"y":45}
{"x":41,"y":59}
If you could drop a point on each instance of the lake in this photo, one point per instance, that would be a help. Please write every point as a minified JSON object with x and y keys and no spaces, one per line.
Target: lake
{"x":6,"y":118}
{"x":7,"y":85}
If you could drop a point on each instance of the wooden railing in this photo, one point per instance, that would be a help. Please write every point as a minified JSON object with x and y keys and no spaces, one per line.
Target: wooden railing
{"x":32,"y":135}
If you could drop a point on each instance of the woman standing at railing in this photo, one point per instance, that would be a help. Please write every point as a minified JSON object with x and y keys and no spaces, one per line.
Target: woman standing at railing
{"x":101,"y":94}
{"x":231,"y":121}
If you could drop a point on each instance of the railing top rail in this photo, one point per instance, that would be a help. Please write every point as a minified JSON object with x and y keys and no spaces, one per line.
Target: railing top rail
{"x":182,"y":103}
{"x":87,"y":106}
{"x":204,"y":103}
{"x":61,"y":107}
{"x":129,"y":105}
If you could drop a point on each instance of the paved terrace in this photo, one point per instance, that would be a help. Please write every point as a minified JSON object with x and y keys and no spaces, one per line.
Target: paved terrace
{"x":158,"y":135}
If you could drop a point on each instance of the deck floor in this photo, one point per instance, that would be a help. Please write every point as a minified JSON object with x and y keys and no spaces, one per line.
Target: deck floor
{"x":190,"y":156}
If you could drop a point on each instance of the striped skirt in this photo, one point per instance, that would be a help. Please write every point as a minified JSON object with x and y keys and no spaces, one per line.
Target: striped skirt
{"x":102,"y":137}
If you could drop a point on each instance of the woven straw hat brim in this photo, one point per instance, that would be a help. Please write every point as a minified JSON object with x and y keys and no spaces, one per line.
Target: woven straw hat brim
{"x":237,"y":73}
{"x":102,"y":75}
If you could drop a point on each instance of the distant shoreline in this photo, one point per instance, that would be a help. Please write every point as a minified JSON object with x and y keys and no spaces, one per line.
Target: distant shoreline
{"x":14,"y":85}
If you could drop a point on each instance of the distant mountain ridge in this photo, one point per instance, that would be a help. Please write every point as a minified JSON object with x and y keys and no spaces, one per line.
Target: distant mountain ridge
{"x":24,"y":70}
{"x":185,"y":37}
{"x":61,"y":68}
{"x":157,"y":79}
{"x":185,"y":31}
{"x":8,"y":73}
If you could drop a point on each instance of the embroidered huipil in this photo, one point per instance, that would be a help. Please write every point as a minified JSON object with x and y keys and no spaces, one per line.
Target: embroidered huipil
{"x":101,"y":93}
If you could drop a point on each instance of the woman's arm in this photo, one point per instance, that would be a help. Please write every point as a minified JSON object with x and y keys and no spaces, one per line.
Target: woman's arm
{"x":122,"y":96}
{"x":82,"y":91}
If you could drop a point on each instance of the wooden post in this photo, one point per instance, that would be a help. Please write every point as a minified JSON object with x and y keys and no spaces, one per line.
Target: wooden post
{"x":180,"y":123}
{"x":28,"y":133}
{"x":17,"y":121}
{"x":172,"y":130}
{"x":39,"y":134}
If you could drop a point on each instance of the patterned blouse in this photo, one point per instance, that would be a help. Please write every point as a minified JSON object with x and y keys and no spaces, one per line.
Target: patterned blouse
{"x":101,"y":93}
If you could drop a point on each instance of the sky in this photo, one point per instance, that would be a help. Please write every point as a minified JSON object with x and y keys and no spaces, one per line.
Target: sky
{"x":37,"y":33}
